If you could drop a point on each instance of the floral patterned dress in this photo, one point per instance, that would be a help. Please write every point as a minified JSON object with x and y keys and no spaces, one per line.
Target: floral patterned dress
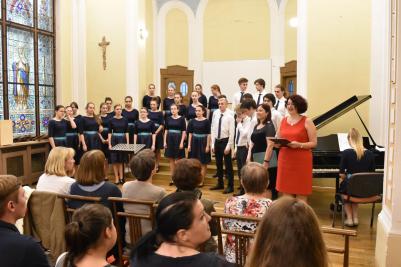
{"x":244,"y":206}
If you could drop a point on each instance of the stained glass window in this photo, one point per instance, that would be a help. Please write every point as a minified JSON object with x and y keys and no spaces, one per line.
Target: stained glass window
{"x":184,"y":88}
{"x":27,"y":93}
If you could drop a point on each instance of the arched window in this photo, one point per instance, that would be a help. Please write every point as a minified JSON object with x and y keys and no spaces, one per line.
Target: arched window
{"x":184,"y":88}
{"x":27,"y":86}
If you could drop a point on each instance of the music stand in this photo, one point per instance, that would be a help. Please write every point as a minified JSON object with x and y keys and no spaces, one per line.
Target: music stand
{"x":127,"y":149}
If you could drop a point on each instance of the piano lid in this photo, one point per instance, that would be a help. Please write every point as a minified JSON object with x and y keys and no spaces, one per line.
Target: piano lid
{"x":339,"y":110}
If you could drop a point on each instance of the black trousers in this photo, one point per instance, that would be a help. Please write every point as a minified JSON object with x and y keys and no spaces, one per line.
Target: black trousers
{"x":242,"y":153}
{"x":219,"y":146}
{"x":272,"y":182}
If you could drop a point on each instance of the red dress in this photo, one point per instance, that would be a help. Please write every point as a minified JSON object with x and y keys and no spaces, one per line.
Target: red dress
{"x":294,"y":167}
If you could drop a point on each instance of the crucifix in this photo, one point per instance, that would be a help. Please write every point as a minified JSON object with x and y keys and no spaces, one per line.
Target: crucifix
{"x":104,"y":45}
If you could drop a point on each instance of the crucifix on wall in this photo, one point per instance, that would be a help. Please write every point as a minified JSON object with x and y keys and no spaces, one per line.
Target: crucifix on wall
{"x":104,"y":45}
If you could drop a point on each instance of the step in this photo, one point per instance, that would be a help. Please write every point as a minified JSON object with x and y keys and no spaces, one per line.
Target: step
{"x":211,"y":168}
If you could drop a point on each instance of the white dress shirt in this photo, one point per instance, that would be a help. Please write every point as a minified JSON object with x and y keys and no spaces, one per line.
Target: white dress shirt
{"x":281,"y":105}
{"x":276,"y":118}
{"x":243,"y":129}
{"x":237,"y":98}
{"x":227,"y":127}
{"x":256,"y":96}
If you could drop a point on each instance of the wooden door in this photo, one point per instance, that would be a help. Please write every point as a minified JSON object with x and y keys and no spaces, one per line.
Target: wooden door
{"x":181,"y":77}
{"x":289,"y":77}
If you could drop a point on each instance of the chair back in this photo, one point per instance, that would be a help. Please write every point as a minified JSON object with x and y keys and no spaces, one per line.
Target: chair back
{"x":365,"y":184}
{"x":68,"y":211}
{"x":132,"y":219}
{"x":241,"y":238}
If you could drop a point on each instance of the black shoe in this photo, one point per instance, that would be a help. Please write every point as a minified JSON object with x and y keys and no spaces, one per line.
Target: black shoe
{"x":240,"y":193}
{"x":215,"y":176}
{"x":121,"y":181}
{"x":228,"y":190}
{"x":171,"y":183}
{"x":217,"y":187}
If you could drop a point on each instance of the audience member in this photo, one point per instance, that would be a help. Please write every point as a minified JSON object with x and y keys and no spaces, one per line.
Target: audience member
{"x":182,"y":225}
{"x":186,"y":177}
{"x":143,"y":167}
{"x":16,"y":250}
{"x":288,"y":235}
{"x":89,"y":236}
{"x":59,"y":166}
{"x":254,"y":179}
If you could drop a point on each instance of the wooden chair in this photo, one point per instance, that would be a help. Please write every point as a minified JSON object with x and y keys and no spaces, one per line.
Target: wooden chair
{"x":242,"y":239}
{"x":345,"y":249}
{"x":362,"y":188}
{"x":134,"y":223}
{"x":69,"y":211}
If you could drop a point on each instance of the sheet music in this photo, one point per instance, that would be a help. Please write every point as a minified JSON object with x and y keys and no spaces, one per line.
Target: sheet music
{"x":343,"y":141}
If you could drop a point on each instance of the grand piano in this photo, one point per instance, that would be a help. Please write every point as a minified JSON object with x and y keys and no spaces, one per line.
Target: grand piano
{"x":327,"y":154}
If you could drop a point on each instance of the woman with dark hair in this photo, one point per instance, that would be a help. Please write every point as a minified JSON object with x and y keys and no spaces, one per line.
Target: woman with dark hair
{"x":157,"y":117}
{"x":168,"y":101}
{"x":258,"y":151}
{"x":199,"y":139}
{"x":105,"y":117}
{"x":191,"y":114}
{"x":294,"y":168}
{"x":202,"y":98}
{"x":181,"y":227}
{"x":182,"y":109}
{"x":57,"y":127}
{"x":270,"y":99}
{"x":90,"y":129}
{"x":72,"y":136}
{"x":89,"y":237}
{"x":213,"y":100}
{"x":145,"y":130}
{"x":288,"y":235}
{"x":148,"y":97}
{"x":131,"y":115}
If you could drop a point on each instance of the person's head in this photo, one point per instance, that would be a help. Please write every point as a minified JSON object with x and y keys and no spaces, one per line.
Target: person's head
{"x":143,"y":113}
{"x":174,"y":109}
{"x":254,"y":178}
{"x":171,"y":90}
{"x":60,"y":111}
{"x":92,"y":168}
{"x":222,"y":103}
{"x":263,"y":114}
{"x":247,"y":97}
{"x":143,"y":165}
{"x":151,"y":89}
{"x":249,"y":106}
{"x":74,"y":106}
{"x":279,"y":91}
{"x":296,"y":104}
{"x":109,"y":103}
{"x":215,"y":90}
{"x":243,"y":84}
{"x":91,"y":228}
{"x":240,"y":112}
{"x":181,"y":220}
{"x":269,"y":99}
{"x":153,"y":103}
{"x":187,"y":174}
{"x":195,"y":97}
{"x":260,"y":84}
{"x":103,"y":108}
{"x":288,"y":235}
{"x":118,"y":109}
{"x":60,"y":161}
{"x":200,"y":111}
{"x":178,"y":98}
{"x":128,"y":102}
{"x":90,"y":109}
{"x":356,"y":142}
{"x":198,"y":88}
{"x":69,"y":111}
{"x":12,"y":199}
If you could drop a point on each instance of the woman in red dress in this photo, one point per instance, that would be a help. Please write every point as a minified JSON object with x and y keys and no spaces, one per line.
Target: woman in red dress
{"x":294,"y":167}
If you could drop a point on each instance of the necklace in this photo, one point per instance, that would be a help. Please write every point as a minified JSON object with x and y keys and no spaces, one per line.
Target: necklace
{"x":293,"y":121}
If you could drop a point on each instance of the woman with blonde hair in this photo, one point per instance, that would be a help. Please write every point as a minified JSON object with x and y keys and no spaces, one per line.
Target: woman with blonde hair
{"x":59,"y":166}
{"x":353,"y":160}
{"x":288,"y":235}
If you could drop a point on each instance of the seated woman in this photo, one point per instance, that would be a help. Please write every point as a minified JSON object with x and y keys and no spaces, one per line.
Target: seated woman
{"x":182,"y":225}
{"x":89,"y":236}
{"x":187,"y":176}
{"x":59,"y":166}
{"x":143,"y":167}
{"x":288,"y":235}
{"x":254,"y":179}
{"x":353,"y":160}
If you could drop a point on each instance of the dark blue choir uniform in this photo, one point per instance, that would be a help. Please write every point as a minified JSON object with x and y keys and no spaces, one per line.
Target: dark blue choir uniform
{"x":202,"y":99}
{"x":90,"y":129}
{"x":131,"y":116}
{"x":146,"y":101}
{"x":118,"y":129}
{"x":144,"y":131}
{"x":57,"y":130}
{"x":157,"y":118}
{"x":182,"y":110}
{"x":167,"y":102}
{"x":213,"y":105}
{"x":200,"y":129}
{"x":73,"y":138}
{"x":105,"y":134}
{"x":191,"y":112}
{"x":175,"y":127}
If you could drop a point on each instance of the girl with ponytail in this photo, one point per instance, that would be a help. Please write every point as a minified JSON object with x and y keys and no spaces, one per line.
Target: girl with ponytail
{"x":181,"y":227}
